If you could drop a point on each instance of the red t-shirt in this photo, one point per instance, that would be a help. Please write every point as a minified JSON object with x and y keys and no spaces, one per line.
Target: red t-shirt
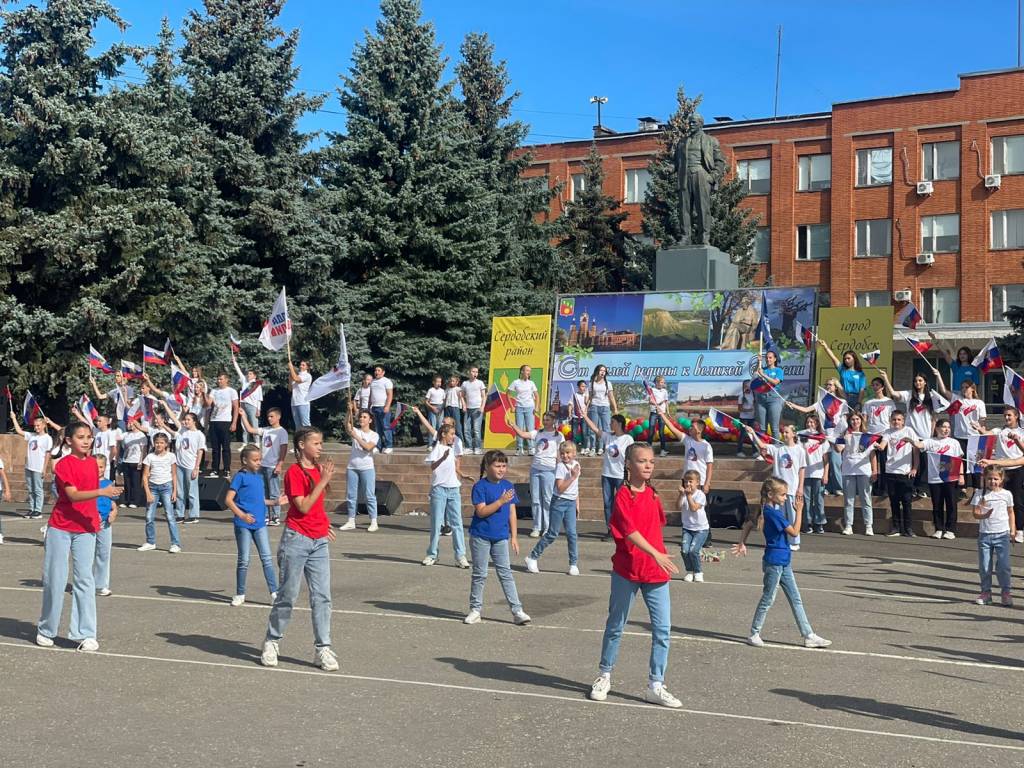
{"x":299,"y":482}
{"x":641,"y":512}
{"x":76,"y":516}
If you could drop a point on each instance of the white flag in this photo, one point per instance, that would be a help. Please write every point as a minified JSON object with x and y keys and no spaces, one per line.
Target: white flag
{"x":278,"y":329}
{"x":339,"y":377}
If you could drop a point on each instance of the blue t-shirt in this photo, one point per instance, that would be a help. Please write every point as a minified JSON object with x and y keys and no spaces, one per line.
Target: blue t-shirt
{"x":104,"y":505}
{"x":250,"y":497}
{"x":962,"y":373}
{"x":776,"y":546}
{"x":852,"y":380}
{"x":493,"y":527}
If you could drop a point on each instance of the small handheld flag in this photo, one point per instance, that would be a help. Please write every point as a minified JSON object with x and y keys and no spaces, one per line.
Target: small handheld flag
{"x":939,"y":403}
{"x":871,"y":357}
{"x":721,"y":422}
{"x":236,"y":345}
{"x":96,"y":360}
{"x":399,"y":412}
{"x":9,"y":396}
{"x":30,"y":410}
{"x":908,"y":316}
{"x":979,"y":447}
{"x":180,"y":382}
{"x":277,"y":330}
{"x":88,"y":410}
{"x":804,"y":335}
{"x":498,"y":400}
{"x":130,"y":370}
{"x":833,"y":407}
{"x":949,"y":468}
{"x":1013,"y":389}
{"x":918,"y":346}
{"x":764,"y":327}
{"x":867,"y":440}
{"x":168,"y":351}
{"x":339,"y":377}
{"x":134,"y":412}
{"x":759,"y":386}
{"x":152,"y":356}
{"x":989,"y":358}
{"x":650,"y":392}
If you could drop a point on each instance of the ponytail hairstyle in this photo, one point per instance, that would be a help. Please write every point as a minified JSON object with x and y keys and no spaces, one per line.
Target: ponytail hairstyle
{"x":248,"y":450}
{"x":65,"y":435}
{"x":492,"y":457}
{"x":301,"y":435}
{"x":770,"y":487}
{"x":630,"y":451}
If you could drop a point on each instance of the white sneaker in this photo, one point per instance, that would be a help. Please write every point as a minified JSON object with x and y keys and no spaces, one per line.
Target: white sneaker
{"x":174,"y":549}
{"x":688,"y":577}
{"x":759,"y":457}
{"x":269,"y":656}
{"x":372,"y":526}
{"x":813,"y":641}
{"x":473,"y":617}
{"x":520,"y":618}
{"x":105,"y":592}
{"x":386,"y":450}
{"x":531,"y":565}
{"x":535,"y":534}
{"x":43,"y":641}
{"x":428,"y":560}
{"x":1,"y":538}
{"x":600,"y":451}
{"x":848,"y":530}
{"x":869,"y":531}
{"x":663,"y":454}
{"x":519,"y":451}
{"x":273,"y":597}
{"x":532,"y":451}
{"x":699,"y":578}
{"x":755,"y":640}
{"x":325,"y":659}
{"x":574,"y":570}
{"x":89,"y":645}
{"x":462,"y":562}
{"x":599,"y":689}
{"x":349,"y":526}
{"x":147,"y":547}
{"x":937,"y":535}
{"x":1019,"y":538}
{"x":794,"y":547}
{"x":478,"y":451}
{"x":949,"y":535}
{"x":237,"y":600}
{"x":659,"y":695}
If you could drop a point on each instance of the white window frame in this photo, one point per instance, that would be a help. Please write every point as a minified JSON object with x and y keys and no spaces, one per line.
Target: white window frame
{"x":928,"y":305}
{"x":867,"y":153}
{"x":805,"y":172}
{"x":1000,"y":292}
{"x":930,"y":151}
{"x":764,"y":234}
{"x":634,"y":192}
{"x":743,"y":171}
{"x":1000,"y":167}
{"x":807,"y":238}
{"x":999,"y":222}
{"x":863,"y":299}
{"x":582,"y":176}
{"x":929,"y":242}
{"x":871,"y":251}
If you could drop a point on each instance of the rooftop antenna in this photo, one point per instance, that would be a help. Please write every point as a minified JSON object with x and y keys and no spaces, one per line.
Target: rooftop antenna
{"x":599,"y":100}
{"x":778,"y":68}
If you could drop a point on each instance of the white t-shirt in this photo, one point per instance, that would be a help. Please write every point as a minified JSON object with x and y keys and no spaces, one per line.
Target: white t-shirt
{"x":524,"y":392}
{"x":615,"y":446}
{"x":435,"y":396}
{"x":856,"y":460}
{"x":660,"y":398}
{"x":186,"y":449}
{"x":545,"y":448}
{"x":789,"y":460}
{"x":695,"y":520}
{"x":899,"y":450}
{"x":1001,"y":504}
{"x":360,"y":458}
{"x":815,"y":456}
{"x":444,"y":474}
{"x":254,"y":398}
{"x":300,"y":388}
{"x":1005,"y":447}
{"x":451,"y":397}
{"x":363,"y":398}
{"x":599,"y":391}
{"x":563,"y":471}
{"x":938,"y":451}
{"x":878,"y":411}
{"x":746,"y":405}
{"x":133,"y":445}
{"x":38,"y":446}
{"x":222,"y":400}
{"x":970,"y":410}
{"x":161,"y":466}
{"x":104,"y":442}
{"x":474,"y":391}
{"x":154,"y":431}
{"x":919,"y":415}
{"x":698,"y":456}
{"x":379,"y":389}
{"x":579,"y":400}
{"x":271,"y":440}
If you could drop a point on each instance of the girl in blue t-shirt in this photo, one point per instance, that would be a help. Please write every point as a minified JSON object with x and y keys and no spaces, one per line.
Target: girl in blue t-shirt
{"x":768,"y":405}
{"x":961,"y":367}
{"x":248,"y":503}
{"x":491,"y":532}
{"x":851,"y":375}
{"x":776,"y":564}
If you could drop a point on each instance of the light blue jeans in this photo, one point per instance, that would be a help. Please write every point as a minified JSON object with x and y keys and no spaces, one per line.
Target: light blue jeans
{"x":835,"y":472}
{"x":300,"y":415}
{"x":435,"y":420}
{"x":524,"y":420}
{"x":382,"y":426}
{"x":101,"y":565}
{"x":161,"y":495}
{"x":659,"y":606}
{"x":57,"y":545}
{"x":609,"y":487}
{"x":496,"y":551}
{"x":244,"y":539}
{"x":774,"y":575}
{"x":768,"y":407}
{"x":446,"y":507}
{"x":299,"y":556}
{"x":187,"y":487}
{"x":693,"y":542}
{"x":272,"y":486}
{"x":472,"y":421}
{"x":994,"y":547}
{"x":250,"y":413}
{"x":854,"y":487}
{"x":791,"y":517}
{"x":34,"y":487}
{"x":602,"y":416}
{"x":542,"y":487}
{"x":361,"y":480}
{"x":454,"y":413}
{"x":563,"y":512}
{"x":814,"y":501}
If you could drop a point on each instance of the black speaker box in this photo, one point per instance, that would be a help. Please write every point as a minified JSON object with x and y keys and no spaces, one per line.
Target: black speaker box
{"x":212,"y":491}
{"x":727,"y":509}
{"x":524,"y":507}
{"x":389,"y":499}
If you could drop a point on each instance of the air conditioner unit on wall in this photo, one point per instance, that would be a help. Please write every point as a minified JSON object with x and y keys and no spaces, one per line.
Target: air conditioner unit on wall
{"x":992,"y":181}
{"x":924,"y":188}
{"x":926,"y":258}
{"x":903,"y":295}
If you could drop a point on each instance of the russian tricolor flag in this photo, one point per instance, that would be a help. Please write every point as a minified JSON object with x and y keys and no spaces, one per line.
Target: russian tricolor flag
{"x":650,"y":392}
{"x":871,"y":357}
{"x":152,"y":356}
{"x":88,"y":410}
{"x":759,"y":386}
{"x":949,"y":468}
{"x":979,"y":447}
{"x":867,"y":440}
{"x":168,"y":351}
{"x":1013,"y":389}
{"x":989,"y":358}
{"x":236,"y":345}
{"x":399,"y":412}
{"x":720,"y":422}
{"x":918,"y":346}
{"x":179,"y":382}
{"x":30,"y":410}
{"x":908,"y":317}
{"x":803,"y":334}
{"x":96,"y":360}
{"x":130,"y":370}
{"x":496,"y":399}
{"x":833,"y":407}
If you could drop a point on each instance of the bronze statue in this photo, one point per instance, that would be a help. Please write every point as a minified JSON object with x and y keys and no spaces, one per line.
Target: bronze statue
{"x":700,"y":165}
{"x":740,"y":332}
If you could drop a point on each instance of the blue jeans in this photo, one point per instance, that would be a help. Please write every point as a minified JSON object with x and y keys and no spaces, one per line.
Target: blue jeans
{"x":496,"y":551}
{"x":187,"y":486}
{"x":250,"y":413}
{"x":34,"y":486}
{"x":299,"y":556}
{"x":854,"y":487}
{"x":542,"y":486}
{"x":300,"y":415}
{"x":472,"y":422}
{"x":693,"y":542}
{"x":524,"y":420}
{"x":57,"y":545}
{"x":659,"y":606}
{"x":609,"y":487}
{"x":382,"y":425}
{"x":791,"y":517}
{"x":774,"y":575}
{"x":272,"y":485}
{"x":244,"y":538}
{"x":455,"y":414}
{"x":161,"y":495}
{"x":446,"y":507}
{"x":563,"y":511}
{"x":994,"y":546}
{"x":361,"y":480}
{"x":768,"y":407}
{"x":435,"y":420}
{"x":580,"y":432}
{"x":101,"y":565}
{"x":835,"y":472}
{"x":814,"y":501}
{"x":602,"y":416}
{"x":656,"y":422}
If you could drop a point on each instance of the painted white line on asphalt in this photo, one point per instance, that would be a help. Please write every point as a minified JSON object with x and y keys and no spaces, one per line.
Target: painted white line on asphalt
{"x":561,"y":628}
{"x":579,"y":700}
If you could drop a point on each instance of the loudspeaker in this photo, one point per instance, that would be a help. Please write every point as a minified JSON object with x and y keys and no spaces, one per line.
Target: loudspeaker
{"x":389,"y":499}
{"x":212,"y":491}
{"x":727,"y":509}
{"x":524,"y":507}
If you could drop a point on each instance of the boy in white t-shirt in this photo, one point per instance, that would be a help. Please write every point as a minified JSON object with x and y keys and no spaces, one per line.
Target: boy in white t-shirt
{"x":104,"y":443}
{"x":658,"y":400}
{"x":696,"y":528}
{"x":38,"y":445}
{"x":445,"y":495}
{"x":223,"y":404}
{"x":361,"y":402}
{"x":434,"y":400}
{"x":274,"y":448}
{"x":699,"y":454}
{"x":996,"y":529}
{"x":577,"y":417}
{"x":565,"y":504}
{"x":382,"y":396}
{"x":473,"y":393}
{"x":5,"y":486}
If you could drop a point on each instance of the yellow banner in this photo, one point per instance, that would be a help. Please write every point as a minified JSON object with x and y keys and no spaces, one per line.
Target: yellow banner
{"x":516,"y":341}
{"x":858,"y":330}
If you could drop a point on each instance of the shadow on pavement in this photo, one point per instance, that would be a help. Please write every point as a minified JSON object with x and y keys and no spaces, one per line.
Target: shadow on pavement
{"x":417,"y":609}
{"x":218,"y":646}
{"x":16,"y":629}
{"x":369,"y":556}
{"x":191,"y":594}
{"x":528,"y":674}
{"x":982,"y":658}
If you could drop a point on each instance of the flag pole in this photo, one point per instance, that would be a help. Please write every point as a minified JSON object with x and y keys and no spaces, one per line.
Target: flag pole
{"x":916,"y":350}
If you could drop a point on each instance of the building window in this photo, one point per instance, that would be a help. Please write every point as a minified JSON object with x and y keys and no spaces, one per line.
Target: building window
{"x":874,"y":167}
{"x":756,"y":176}
{"x":814,"y":241}
{"x":762,"y":246}
{"x":940,"y":305}
{"x":637,"y":180}
{"x":1008,"y":154}
{"x":874,"y":237}
{"x":815,"y":173}
{"x":1004,"y":297}
{"x":579,"y":183}
{"x":1008,"y":229}
{"x":871,"y":299}
{"x":941,"y":160}
{"x":940,"y":234}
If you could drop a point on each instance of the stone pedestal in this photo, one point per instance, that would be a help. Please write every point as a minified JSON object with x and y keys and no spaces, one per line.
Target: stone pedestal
{"x":694,"y":268}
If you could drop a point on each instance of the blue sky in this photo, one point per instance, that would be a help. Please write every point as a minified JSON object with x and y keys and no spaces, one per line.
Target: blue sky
{"x":561,"y":52}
